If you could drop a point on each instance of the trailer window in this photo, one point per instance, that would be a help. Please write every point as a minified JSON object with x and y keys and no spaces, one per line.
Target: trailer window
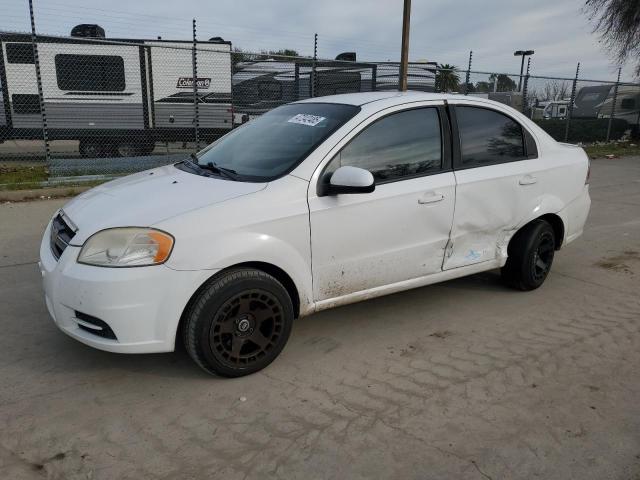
{"x":25,"y":103}
{"x":20,"y":53}
{"x":90,"y":73}
{"x":628,"y":104}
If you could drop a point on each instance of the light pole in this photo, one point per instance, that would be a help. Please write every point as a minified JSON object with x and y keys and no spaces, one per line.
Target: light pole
{"x":523,"y":54}
{"x":404,"y":54}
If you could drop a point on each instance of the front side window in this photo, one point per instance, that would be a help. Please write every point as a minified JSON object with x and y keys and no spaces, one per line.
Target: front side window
{"x":404,"y":144}
{"x":90,"y":73}
{"x":273,"y":144}
{"x":488,"y":137}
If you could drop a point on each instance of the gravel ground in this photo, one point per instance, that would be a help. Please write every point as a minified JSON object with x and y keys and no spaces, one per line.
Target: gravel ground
{"x":464,"y":379}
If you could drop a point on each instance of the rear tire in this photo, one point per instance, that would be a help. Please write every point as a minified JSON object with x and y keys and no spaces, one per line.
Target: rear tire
{"x":238,"y":323}
{"x":531,"y":253}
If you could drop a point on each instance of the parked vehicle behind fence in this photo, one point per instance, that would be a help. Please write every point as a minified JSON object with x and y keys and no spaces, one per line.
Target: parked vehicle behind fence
{"x":117,"y":97}
{"x":313,"y":205}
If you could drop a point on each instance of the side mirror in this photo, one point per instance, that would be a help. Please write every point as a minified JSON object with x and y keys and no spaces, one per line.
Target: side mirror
{"x":350,"y":180}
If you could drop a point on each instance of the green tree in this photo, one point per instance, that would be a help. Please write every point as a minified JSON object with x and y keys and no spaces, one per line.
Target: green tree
{"x":447,"y":78}
{"x":285,"y":52}
{"x":483,"y":87}
{"x":618,"y":22}
{"x":505,"y":83}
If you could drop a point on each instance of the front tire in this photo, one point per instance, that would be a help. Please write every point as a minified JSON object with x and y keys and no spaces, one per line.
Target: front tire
{"x":238,"y":323}
{"x":531,"y":253}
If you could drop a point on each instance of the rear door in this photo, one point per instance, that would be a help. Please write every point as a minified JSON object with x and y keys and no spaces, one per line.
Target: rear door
{"x":400,"y":230}
{"x":498,"y":178}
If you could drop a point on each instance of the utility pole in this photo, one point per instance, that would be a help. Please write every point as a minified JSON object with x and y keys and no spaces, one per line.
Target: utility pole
{"x":522,"y":53}
{"x":404,"y":54}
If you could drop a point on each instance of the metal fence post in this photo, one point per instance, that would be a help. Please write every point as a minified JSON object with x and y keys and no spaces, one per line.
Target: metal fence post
{"x":36,"y":60}
{"x":573,"y":99}
{"x":196,"y":116}
{"x":313,"y":65}
{"x":374,"y":79}
{"x":613,"y":107}
{"x":468,"y":77}
{"x":525,"y":86}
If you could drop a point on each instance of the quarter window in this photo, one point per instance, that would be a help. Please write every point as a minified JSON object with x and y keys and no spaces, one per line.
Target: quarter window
{"x":488,"y":137}
{"x":90,"y":73}
{"x":401,"y":145}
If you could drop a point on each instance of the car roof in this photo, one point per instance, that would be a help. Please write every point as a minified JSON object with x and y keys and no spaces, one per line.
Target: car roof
{"x":362,"y":98}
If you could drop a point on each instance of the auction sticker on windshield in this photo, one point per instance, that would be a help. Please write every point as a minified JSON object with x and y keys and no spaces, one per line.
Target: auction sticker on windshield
{"x":306,"y":119}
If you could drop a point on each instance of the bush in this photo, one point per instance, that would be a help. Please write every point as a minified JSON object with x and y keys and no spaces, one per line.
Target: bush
{"x":585,"y":130}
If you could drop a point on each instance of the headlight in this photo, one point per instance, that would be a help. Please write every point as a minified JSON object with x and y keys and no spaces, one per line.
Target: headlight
{"x":126,"y":247}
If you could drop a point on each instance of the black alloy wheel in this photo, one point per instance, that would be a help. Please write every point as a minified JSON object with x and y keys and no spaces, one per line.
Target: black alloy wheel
{"x":238,"y":322}
{"x":530,"y":256}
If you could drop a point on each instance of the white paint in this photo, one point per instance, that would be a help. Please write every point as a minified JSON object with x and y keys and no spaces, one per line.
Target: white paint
{"x":348,"y":176}
{"x":337,"y":249}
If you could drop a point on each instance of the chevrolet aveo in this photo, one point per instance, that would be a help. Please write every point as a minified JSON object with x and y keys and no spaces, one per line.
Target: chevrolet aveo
{"x":315,"y":204}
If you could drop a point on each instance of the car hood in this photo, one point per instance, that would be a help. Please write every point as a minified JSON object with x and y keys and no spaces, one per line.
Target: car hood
{"x":148,"y":197}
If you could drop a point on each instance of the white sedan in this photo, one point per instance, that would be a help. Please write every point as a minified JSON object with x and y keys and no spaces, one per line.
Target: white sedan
{"x":315,"y":204}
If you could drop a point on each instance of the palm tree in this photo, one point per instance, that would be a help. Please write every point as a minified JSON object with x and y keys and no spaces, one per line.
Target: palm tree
{"x":447,"y":78}
{"x":618,"y":22}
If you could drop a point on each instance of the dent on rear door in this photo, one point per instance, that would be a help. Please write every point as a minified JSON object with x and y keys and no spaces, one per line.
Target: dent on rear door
{"x":488,"y":209}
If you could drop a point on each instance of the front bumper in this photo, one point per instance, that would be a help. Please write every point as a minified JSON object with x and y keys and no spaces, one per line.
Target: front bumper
{"x":142,"y":305}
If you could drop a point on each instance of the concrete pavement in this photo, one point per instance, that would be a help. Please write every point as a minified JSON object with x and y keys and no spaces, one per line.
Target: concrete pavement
{"x":464,"y":380}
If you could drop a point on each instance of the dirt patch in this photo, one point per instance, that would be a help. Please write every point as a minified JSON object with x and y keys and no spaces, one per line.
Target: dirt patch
{"x":620,"y":263}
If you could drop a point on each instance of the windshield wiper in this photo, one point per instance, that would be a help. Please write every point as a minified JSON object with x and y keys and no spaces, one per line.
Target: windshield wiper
{"x":212,"y":167}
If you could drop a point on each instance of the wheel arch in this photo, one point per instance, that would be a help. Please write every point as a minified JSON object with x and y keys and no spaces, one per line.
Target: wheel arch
{"x":276,"y":272}
{"x":558,"y":227}
{"x":552,"y":219}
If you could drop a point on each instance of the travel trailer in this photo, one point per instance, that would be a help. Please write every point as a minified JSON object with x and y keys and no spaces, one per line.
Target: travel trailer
{"x":117,"y":97}
{"x":597,"y":102}
{"x":552,"y":109}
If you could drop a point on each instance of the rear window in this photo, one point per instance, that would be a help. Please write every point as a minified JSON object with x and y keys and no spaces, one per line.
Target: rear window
{"x":275,"y":143}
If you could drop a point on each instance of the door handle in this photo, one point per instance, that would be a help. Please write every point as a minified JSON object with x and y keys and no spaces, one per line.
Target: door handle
{"x":430,"y":198}
{"x":528,"y":180}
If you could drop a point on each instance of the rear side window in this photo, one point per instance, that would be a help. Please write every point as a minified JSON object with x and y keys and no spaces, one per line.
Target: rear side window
{"x":488,"y":137}
{"x":401,"y":145}
{"x":19,"y":53}
{"x":90,"y":73}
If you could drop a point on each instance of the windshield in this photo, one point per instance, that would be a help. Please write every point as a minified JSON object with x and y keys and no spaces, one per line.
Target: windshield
{"x":275,"y":143}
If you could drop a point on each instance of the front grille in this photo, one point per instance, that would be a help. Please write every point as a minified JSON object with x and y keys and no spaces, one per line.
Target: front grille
{"x":61,"y":235}
{"x":95,"y":326}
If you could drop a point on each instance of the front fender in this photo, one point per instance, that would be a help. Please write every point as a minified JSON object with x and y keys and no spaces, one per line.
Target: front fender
{"x":264,"y":248}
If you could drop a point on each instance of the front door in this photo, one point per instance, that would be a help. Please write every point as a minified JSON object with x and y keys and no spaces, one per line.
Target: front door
{"x":399,"y":231}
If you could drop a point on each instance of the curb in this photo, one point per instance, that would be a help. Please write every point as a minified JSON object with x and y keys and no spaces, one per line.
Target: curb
{"x":41,"y":193}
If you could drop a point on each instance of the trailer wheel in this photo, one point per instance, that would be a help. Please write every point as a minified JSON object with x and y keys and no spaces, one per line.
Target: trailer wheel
{"x":128,"y":149}
{"x":93,"y":148}
{"x":148,"y":147}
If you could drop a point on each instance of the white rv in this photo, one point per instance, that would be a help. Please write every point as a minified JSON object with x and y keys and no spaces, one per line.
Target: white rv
{"x":117,"y":97}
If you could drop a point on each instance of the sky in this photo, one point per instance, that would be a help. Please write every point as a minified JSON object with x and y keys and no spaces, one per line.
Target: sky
{"x":441,"y":30}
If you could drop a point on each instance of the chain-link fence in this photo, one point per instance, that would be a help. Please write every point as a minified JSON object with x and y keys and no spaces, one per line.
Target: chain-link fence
{"x":93,"y":106}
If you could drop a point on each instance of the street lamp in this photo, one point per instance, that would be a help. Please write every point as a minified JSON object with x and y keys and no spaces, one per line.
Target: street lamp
{"x":523,"y":54}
